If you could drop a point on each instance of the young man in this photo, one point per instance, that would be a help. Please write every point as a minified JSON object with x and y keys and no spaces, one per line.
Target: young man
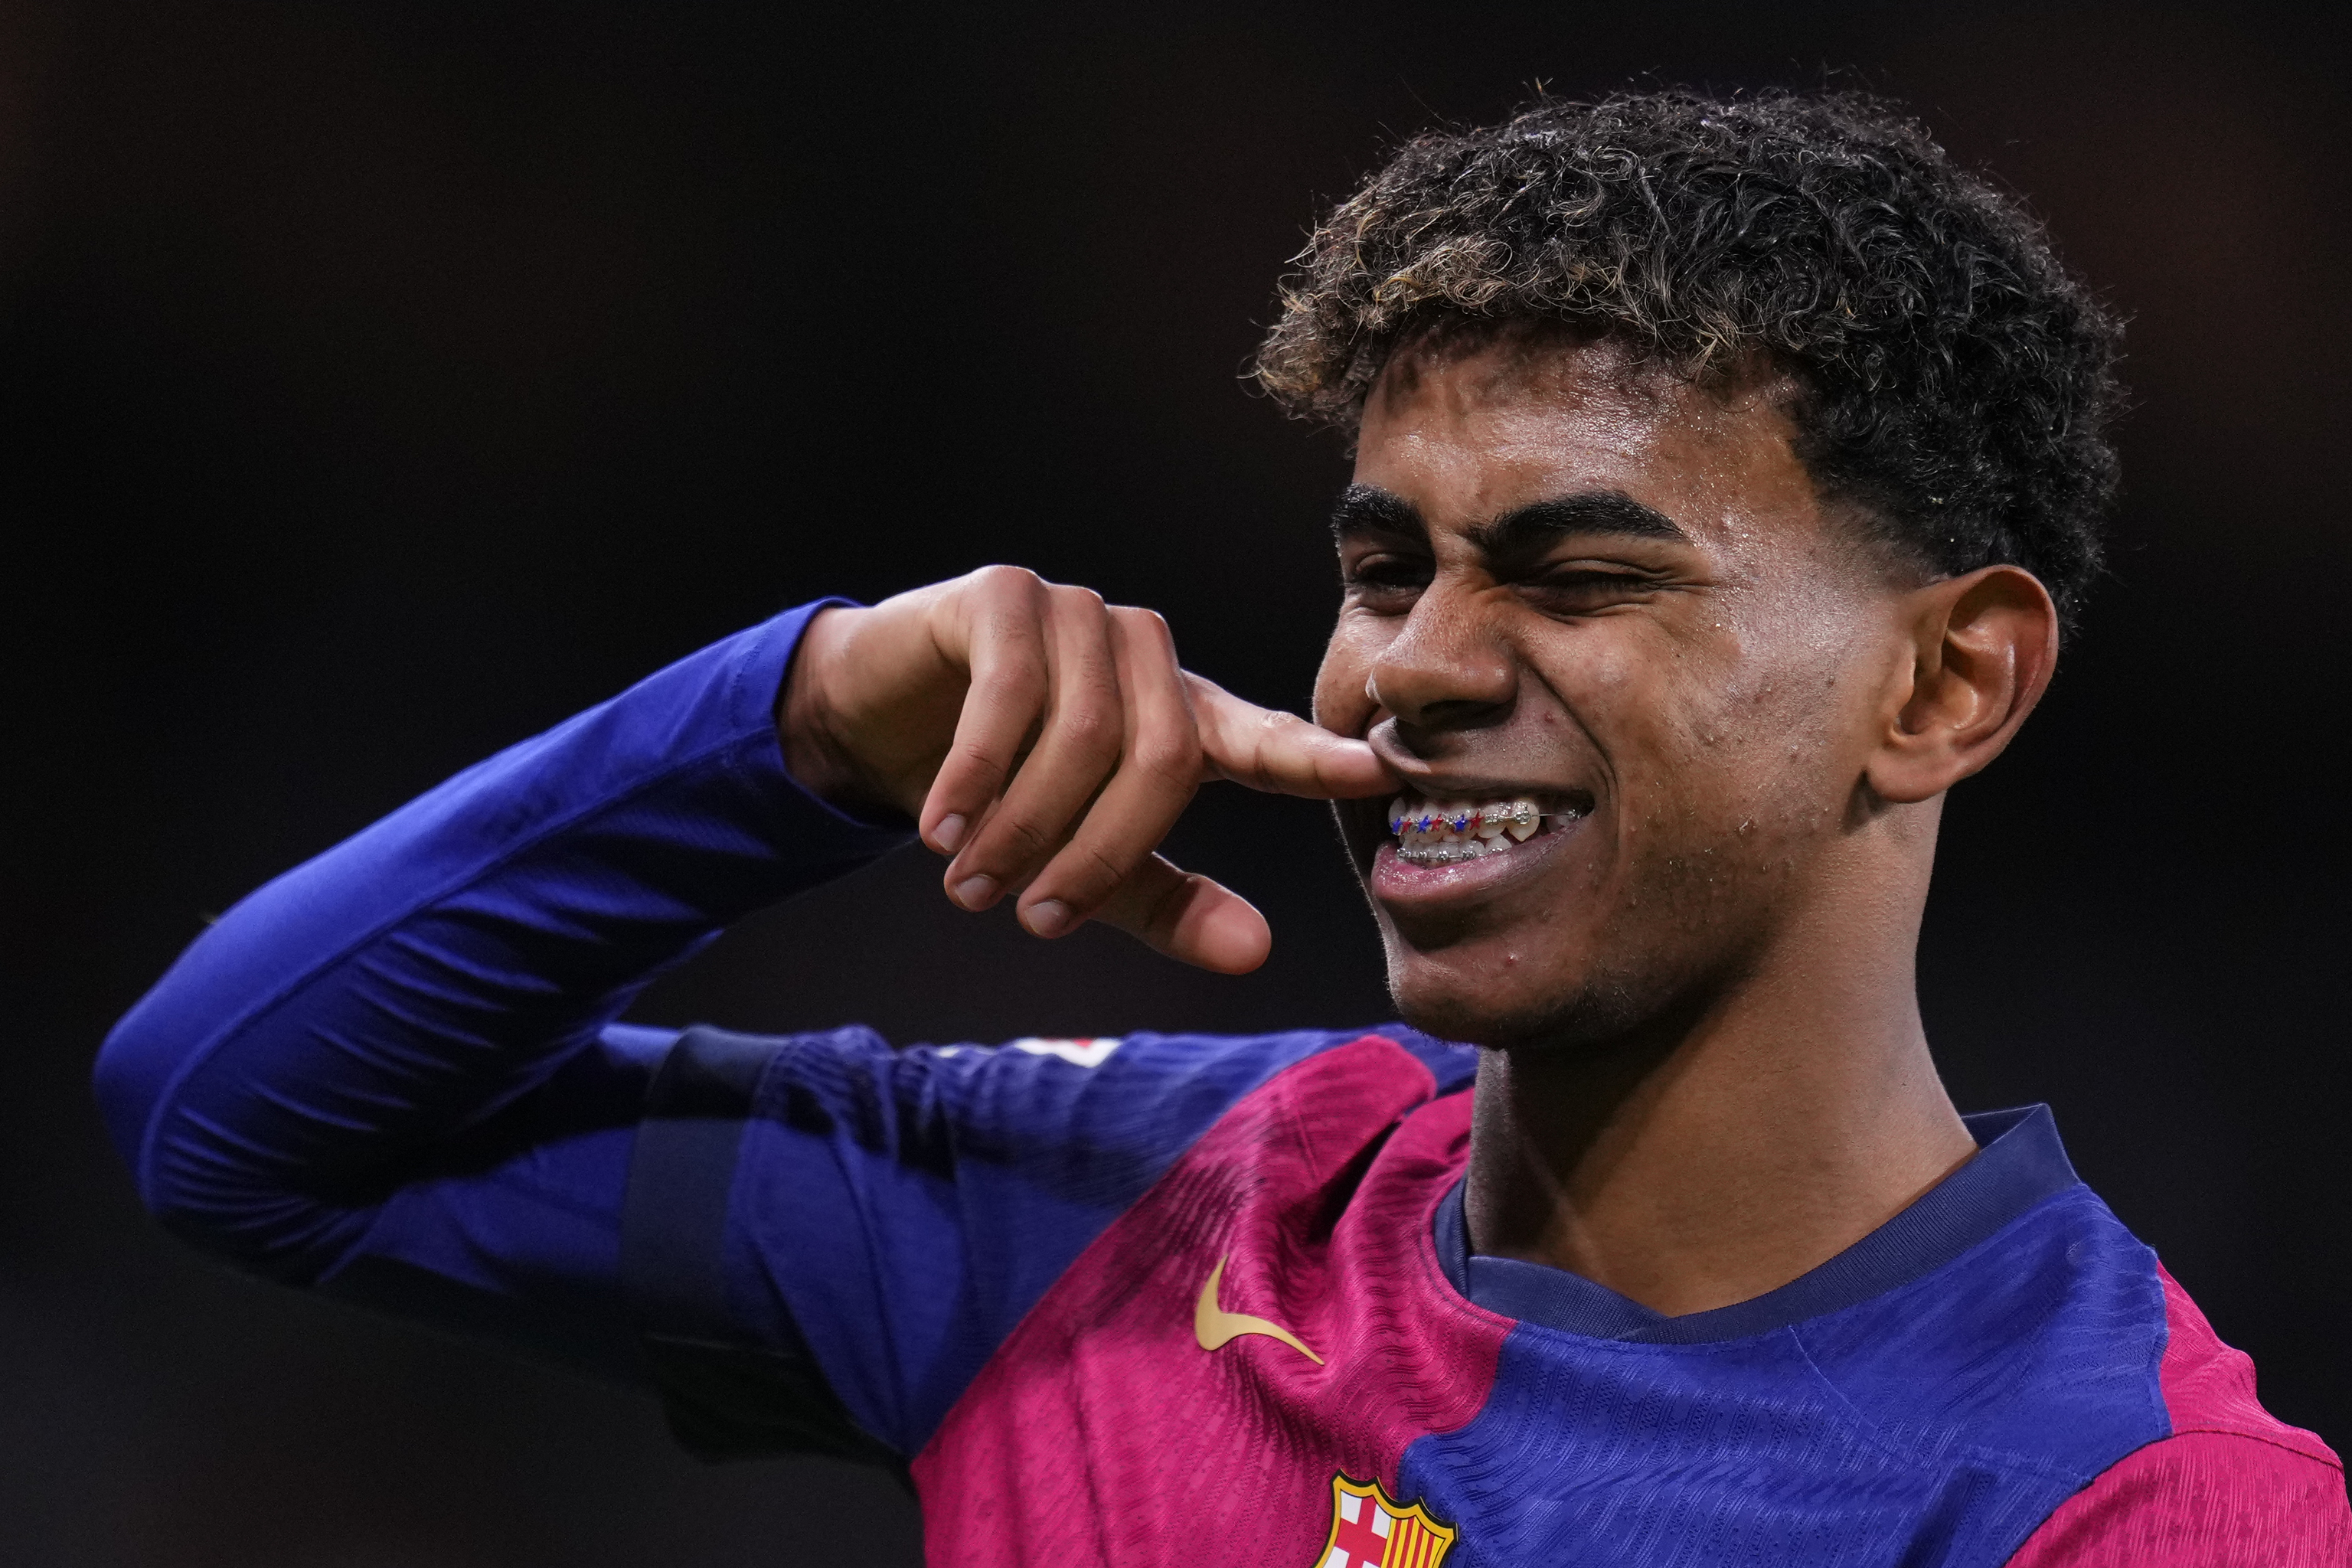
{"x":1724,"y":474}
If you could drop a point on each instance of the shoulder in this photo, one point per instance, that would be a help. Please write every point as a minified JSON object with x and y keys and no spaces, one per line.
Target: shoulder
{"x":1038,"y":1091}
{"x":982,"y":1137}
{"x":2209,"y":1387}
{"x":2228,"y":1484}
{"x":2037,"y":1348}
{"x":887,"y":1216}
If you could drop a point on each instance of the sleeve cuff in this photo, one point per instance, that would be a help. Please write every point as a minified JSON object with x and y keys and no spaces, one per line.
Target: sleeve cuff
{"x":767,"y":664}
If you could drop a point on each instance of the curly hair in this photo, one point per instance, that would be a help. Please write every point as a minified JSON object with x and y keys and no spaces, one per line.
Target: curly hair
{"x":1955,"y":379}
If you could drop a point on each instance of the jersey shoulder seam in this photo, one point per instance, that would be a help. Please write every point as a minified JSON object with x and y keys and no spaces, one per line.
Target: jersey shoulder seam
{"x":2335,"y":1464}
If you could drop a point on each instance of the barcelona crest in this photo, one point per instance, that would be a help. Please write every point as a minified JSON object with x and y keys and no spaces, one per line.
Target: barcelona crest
{"x":1370,"y":1530}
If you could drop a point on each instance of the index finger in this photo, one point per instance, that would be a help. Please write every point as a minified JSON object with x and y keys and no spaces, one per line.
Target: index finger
{"x":1280,"y":753}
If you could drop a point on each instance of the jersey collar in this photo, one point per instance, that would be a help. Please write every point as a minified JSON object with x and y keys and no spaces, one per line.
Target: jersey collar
{"x":2019,"y":1162}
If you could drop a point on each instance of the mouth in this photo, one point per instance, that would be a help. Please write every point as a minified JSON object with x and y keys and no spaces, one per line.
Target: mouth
{"x":1434,"y":833}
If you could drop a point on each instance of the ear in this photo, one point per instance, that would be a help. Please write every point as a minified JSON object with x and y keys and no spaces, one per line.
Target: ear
{"x":1983,"y":647}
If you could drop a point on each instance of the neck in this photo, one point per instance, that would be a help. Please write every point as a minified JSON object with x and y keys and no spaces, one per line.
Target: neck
{"x":1704,"y":1161}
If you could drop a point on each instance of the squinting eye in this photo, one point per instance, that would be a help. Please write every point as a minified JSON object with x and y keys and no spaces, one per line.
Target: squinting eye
{"x":1380,"y":574}
{"x":1587,"y":590}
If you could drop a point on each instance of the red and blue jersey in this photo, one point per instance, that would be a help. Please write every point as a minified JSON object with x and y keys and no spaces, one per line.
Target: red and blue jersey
{"x":1156,"y":1299}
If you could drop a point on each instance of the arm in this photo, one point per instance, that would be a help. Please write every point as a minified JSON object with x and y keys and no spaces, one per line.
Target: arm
{"x":393,"y":1073}
{"x":2231,"y":1486}
{"x":2201,"y":1499}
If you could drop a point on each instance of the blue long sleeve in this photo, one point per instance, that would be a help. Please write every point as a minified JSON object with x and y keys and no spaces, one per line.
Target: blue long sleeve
{"x":393,"y":1072}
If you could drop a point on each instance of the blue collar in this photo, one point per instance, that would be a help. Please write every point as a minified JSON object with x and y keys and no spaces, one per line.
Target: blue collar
{"x":2019,"y":1162}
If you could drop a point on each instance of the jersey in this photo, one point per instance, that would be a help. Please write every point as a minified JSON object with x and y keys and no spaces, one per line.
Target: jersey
{"x":1156,"y":1299}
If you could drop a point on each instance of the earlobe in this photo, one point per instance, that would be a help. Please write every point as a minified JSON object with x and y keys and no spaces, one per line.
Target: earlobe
{"x":1983,"y":648}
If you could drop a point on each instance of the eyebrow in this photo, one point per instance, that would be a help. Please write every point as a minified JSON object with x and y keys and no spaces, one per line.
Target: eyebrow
{"x":1370,"y":510}
{"x":1367,"y":508}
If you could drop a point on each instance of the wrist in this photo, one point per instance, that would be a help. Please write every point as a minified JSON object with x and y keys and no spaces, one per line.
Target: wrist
{"x":807,"y":717}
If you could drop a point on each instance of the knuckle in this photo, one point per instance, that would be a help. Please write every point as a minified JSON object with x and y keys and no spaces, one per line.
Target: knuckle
{"x":1085,"y":877}
{"x":1089,"y":726}
{"x":1100,"y":872}
{"x":972,"y":761}
{"x":1025,"y":838}
{"x":1016,"y":579}
{"x":1145,"y":625}
{"x":1012,"y":599}
{"x":1179,"y":753}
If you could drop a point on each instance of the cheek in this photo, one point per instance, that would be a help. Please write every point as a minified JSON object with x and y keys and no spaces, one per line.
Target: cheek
{"x":1763,"y":753}
{"x":1711,"y":740}
{"x":1341,"y":703}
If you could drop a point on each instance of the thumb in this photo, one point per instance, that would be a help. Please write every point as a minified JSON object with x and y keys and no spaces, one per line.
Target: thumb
{"x":1186,"y":916}
{"x":1279,"y":753}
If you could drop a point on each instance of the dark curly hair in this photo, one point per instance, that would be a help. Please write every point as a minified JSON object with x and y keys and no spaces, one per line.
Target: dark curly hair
{"x":1957,"y":381}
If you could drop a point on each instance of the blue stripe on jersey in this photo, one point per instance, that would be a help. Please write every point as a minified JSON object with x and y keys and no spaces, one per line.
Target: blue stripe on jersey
{"x":1955,"y":1410}
{"x":2020,"y":1161}
{"x":392,"y":1073}
{"x":897,"y":1211}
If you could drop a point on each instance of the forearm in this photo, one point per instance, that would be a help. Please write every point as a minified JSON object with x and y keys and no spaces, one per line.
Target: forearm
{"x":348,"y":1026}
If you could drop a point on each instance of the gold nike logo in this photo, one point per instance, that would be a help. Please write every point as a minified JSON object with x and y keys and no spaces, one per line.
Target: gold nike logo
{"x":1213,"y":1326}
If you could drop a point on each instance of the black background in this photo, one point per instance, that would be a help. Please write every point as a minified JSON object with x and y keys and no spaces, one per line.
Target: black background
{"x":381,"y":382}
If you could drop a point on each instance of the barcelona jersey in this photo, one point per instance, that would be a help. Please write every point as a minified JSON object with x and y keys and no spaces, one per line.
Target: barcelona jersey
{"x":1153,"y":1300}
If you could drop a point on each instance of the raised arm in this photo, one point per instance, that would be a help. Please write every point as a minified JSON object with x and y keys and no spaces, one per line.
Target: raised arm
{"x":389,"y":1072}
{"x":394,"y":1073}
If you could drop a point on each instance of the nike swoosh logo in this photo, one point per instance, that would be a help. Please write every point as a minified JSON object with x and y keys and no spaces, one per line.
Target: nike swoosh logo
{"x":1213,"y":1326}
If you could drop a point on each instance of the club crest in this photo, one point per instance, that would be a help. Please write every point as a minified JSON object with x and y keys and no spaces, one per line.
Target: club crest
{"x":1369,"y":1530}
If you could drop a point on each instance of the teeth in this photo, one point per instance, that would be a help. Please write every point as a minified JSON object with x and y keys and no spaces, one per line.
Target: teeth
{"x":1445,"y":833}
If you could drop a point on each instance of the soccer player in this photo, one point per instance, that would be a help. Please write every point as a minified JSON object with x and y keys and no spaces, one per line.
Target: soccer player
{"x":1725,"y":473}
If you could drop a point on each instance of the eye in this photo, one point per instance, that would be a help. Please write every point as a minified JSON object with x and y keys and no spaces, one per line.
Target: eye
{"x":1384,"y":580}
{"x":1582,"y":589}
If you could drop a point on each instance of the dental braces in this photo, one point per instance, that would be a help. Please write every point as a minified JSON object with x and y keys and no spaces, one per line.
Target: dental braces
{"x":1414,"y":855}
{"x":1521,"y":814}
{"x":1498,"y":829}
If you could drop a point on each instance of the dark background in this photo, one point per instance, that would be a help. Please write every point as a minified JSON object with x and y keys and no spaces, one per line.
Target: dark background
{"x":381,"y":382}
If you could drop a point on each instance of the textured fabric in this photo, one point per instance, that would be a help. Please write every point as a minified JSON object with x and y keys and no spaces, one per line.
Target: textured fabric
{"x":898,"y":1212}
{"x":1102,"y":1432}
{"x":1941,"y":1421}
{"x":1938,"y":1423}
{"x":2019,"y":1162}
{"x":393,"y":1075}
{"x":2234,"y":1487}
{"x":2202,"y":1499}
{"x":392,"y":1072}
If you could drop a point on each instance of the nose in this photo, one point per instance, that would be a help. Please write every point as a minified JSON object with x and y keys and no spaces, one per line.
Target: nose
{"x":1443,"y":671}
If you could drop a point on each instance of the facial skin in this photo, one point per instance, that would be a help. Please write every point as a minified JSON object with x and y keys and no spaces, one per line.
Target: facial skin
{"x":1571,"y":576}
{"x":1715,"y":700}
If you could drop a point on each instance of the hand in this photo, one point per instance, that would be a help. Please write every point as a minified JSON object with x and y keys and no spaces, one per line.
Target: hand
{"x":1048,"y":741}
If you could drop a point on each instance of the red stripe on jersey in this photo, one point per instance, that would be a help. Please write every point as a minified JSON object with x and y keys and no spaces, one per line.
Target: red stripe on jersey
{"x":1101,"y":1432}
{"x":2232,"y":1485}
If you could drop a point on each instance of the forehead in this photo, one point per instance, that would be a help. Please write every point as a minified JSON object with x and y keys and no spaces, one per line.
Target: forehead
{"x":1468,"y":432}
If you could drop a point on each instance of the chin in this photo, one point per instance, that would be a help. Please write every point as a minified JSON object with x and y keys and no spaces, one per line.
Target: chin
{"x":1477,"y":1011}
{"x":1496,"y":1003}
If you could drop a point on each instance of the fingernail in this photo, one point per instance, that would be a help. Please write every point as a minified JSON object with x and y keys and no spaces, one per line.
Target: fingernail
{"x":947,"y":836}
{"x":1047,"y":917}
{"x":973,"y":892}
